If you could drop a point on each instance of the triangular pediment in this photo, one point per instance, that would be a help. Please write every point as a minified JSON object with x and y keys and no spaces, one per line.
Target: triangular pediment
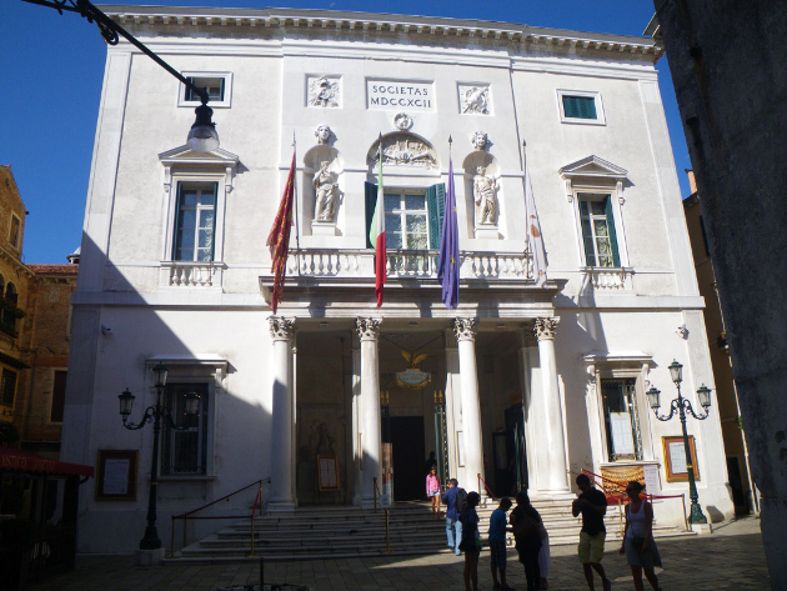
{"x":185,"y":155}
{"x":593,"y":166}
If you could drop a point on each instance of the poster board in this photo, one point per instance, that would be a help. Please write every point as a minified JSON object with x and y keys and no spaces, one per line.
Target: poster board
{"x":327,"y":474}
{"x":116,"y":475}
{"x":675,"y":458}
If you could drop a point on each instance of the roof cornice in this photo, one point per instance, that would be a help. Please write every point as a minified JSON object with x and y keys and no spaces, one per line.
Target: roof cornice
{"x":366,"y":22}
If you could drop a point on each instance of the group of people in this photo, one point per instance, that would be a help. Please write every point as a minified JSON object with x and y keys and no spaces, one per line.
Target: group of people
{"x":531,"y":537}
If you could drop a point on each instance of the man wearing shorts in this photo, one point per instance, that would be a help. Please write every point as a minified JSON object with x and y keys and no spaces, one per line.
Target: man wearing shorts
{"x":592,"y":504}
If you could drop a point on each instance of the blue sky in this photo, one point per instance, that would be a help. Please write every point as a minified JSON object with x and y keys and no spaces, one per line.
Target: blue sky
{"x":54,"y":66}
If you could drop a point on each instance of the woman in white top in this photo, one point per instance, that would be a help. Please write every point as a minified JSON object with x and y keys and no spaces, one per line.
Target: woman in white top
{"x":638,"y":543}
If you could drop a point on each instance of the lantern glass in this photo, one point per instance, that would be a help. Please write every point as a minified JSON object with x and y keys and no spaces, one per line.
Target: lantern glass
{"x":192,"y":404}
{"x":161,"y":375}
{"x":653,"y":397}
{"x":126,"y":403}
{"x":703,"y":394}
{"x":676,"y":371}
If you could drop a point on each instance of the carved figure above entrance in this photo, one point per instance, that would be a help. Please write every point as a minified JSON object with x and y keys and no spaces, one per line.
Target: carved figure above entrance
{"x":404,"y":149}
{"x":323,"y":133}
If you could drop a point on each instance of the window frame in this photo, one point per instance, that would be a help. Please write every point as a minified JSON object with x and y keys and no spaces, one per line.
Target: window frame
{"x":592,"y":218}
{"x":403,"y":193}
{"x":595,"y":95}
{"x":206,"y":430}
{"x":614,"y":193}
{"x":199,"y":209}
{"x":12,"y":402}
{"x":15,"y":243}
{"x":634,"y":413}
{"x":55,"y":372}
{"x":224,"y":103}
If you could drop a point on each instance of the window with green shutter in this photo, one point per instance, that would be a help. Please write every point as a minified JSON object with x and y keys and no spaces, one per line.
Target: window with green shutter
{"x":579,"y":107}
{"x":413,"y":217}
{"x":599,"y":238}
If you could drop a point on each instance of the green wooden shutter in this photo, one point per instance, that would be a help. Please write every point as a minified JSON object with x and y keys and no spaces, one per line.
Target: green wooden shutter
{"x":613,"y":239}
{"x":435,"y":203}
{"x":371,"y":200}
{"x":579,"y":107}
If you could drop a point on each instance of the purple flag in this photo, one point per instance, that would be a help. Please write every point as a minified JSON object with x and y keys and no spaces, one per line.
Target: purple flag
{"x":448,"y":259}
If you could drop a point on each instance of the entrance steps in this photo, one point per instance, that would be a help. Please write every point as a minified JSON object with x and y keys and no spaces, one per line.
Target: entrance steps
{"x":350,"y":532}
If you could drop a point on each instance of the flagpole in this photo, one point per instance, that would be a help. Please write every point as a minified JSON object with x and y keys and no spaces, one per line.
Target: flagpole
{"x":297,"y":220}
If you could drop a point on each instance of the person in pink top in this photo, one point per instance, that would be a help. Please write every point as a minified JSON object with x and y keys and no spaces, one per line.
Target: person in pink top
{"x":433,"y":490}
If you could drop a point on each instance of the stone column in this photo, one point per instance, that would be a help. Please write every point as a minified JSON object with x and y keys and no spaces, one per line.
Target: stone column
{"x":465,"y":329}
{"x":282,"y":457}
{"x":371,"y":439}
{"x":547,"y":416}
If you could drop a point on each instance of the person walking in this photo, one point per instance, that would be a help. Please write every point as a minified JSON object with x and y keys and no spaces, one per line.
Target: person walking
{"x":526,"y":524}
{"x":433,"y":490}
{"x":638,"y":543}
{"x":453,"y":527}
{"x":471,"y":540}
{"x":592,"y":504}
{"x":497,"y":544}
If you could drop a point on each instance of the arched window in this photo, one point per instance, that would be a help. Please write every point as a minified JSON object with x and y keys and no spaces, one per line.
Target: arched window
{"x":9,"y":315}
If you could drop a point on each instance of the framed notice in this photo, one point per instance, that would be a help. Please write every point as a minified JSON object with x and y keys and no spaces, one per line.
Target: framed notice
{"x":116,"y":475}
{"x":675,"y":458}
{"x":327,"y":477}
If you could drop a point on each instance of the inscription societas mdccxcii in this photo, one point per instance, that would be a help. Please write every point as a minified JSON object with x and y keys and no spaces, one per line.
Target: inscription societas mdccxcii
{"x":393,"y":94}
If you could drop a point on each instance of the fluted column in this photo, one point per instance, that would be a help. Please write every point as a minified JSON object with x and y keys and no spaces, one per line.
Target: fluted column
{"x":547,"y":415}
{"x":371,"y":440}
{"x":282,"y":458}
{"x":465,"y":329}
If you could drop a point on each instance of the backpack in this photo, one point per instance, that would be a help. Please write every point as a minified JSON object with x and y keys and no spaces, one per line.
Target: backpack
{"x":461,"y":500}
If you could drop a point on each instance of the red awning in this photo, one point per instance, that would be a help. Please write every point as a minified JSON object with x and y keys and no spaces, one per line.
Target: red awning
{"x":16,"y":460}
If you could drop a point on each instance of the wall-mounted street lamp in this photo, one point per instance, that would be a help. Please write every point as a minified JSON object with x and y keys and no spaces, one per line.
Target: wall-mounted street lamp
{"x":155,"y":413}
{"x":202,"y":136}
{"x":681,"y":405}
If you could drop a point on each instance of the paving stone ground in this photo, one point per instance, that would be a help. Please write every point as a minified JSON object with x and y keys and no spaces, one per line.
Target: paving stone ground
{"x":730,"y":558}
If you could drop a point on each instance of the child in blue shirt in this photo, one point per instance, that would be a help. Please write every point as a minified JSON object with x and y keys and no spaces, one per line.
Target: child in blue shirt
{"x":497,"y":543}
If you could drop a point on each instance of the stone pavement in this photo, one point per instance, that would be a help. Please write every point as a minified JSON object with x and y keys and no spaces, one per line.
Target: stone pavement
{"x":731,"y":558}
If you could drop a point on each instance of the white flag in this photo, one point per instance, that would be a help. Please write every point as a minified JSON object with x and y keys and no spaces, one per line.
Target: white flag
{"x":535,"y":243}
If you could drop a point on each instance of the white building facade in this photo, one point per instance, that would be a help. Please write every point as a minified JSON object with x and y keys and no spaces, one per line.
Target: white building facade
{"x":336,"y":401}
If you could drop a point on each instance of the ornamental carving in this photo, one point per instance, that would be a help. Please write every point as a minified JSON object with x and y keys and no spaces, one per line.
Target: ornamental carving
{"x":485,"y":197}
{"x":324,"y":92}
{"x":480,"y":140}
{"x":403,"y":121}
{"x":404,"y":149}
{"x":323,"y":133}
{"x":368,"y":328}
{"x":474,"y":99}
{"x":545,"y":328}
{"x":281,"y":328}
{"x":326,"y":193}
{"x":465,"y":328}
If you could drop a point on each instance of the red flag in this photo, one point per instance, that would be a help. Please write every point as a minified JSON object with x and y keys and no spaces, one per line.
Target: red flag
{"x":279,"y":237}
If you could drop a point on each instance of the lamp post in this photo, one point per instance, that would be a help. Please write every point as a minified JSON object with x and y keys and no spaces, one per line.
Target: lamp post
{"x":202,"y":136}
{"x":681,"y":405}
{"x":155,"y":413}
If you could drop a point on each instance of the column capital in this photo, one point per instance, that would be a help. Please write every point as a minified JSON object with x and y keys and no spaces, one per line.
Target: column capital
{"x":282,"y":329}
{"x":368,"y":328}
{"x":465,"y":328}
{"x":545,"y":328}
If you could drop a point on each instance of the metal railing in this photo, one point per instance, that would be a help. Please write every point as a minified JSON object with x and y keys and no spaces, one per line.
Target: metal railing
{"x":191,"y":515}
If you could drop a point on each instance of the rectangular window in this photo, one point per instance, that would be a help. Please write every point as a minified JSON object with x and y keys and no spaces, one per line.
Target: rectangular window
{"x":7,"y":387}
{"x":218,"y":86}
{"x":13,"y":236}
{"x":195,"y":222}
{"x":406,"y":220}
{"x":598,"y":230}
{"x":58,"y":396}
{"x":579,"y":107}
{"x":185,"y":449}
{"x":214,"y":86}
{"x":620,"y":415}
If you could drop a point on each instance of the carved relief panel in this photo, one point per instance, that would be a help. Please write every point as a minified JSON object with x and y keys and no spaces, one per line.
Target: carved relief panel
{"x":323,"y":91}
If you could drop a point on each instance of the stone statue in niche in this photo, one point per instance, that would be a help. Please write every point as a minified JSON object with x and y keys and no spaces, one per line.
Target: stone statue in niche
{"x":324,"y":92}
{"x":326,"y":193}
{"x":485,"y":197}
{"x":480,"y":140}
{"x":323,"y":133}
{"x":476,"y":100}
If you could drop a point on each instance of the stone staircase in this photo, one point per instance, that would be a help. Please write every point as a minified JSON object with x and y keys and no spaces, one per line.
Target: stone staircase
{"x":350,"y":532}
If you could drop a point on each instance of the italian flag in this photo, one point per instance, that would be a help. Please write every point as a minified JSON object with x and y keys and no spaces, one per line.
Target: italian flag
{"x":377,"y":230}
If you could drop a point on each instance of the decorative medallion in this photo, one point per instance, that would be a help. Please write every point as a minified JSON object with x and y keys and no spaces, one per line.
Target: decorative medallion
{"x":323,"y":91}
{"x":413,"y":378}
{"x":474,"y":99}
{"x":403,"y":121}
